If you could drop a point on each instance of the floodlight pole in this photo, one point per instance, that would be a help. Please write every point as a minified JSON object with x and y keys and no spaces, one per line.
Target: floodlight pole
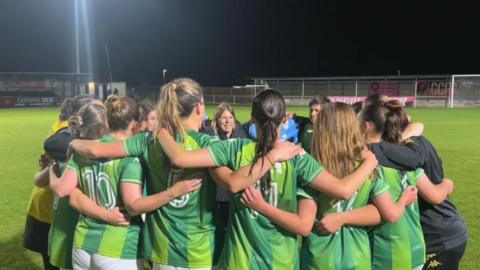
{"x":163,"y":75}
{"x":109,"y":66}
{"x":77,"y":47}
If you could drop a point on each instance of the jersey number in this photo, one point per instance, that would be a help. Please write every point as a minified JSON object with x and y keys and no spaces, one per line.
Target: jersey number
{"x":100,"y":189}
{"x":271,"y":196}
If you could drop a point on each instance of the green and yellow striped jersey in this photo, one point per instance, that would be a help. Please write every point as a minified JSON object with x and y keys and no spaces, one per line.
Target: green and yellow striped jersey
{"x":399,"y":245}
{"x":100,"y":181}
{"x":60,"y":236}
{"x":253,"y":241}
{"x":180,"y":233}
{"x":348,"y":248}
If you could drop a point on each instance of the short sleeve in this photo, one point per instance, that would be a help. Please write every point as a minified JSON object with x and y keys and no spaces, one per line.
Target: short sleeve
{"x":223,"y":153}
{"x":131,"y":171}
{"x":307,"y":193}
{"x":135,"y":145}
{"x":204,"y":140}
{"x":418,"y":172}
{"x":307,"y":168}
{"x":379,"y":185}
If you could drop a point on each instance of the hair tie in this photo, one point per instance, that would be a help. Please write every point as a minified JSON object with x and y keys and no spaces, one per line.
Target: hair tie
{"x":80,"y":120}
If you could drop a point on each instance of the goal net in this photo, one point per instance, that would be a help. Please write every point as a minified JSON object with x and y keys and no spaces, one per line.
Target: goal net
{"x":465,"y":91}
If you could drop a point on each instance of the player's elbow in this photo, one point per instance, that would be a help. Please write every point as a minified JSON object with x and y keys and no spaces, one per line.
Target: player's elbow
{"x":304,"y":230}
{"x":344,"y":193}
{"x":233,"y":187}
{"x":391,"y":217}
{"x":132,"y":210}
{"x":61,"y":192}
{"x":435,"y":198}
{"x":93,"y":152}
{"x":39,"y":182}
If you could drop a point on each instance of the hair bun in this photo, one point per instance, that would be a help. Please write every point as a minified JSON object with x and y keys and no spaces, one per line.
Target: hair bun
{"x":75,"y":121}
{"x":113,"y":103}
{"x":393,"y":105}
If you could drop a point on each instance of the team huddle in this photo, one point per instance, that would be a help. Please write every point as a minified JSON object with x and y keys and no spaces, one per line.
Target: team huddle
{"x":125,"y":185}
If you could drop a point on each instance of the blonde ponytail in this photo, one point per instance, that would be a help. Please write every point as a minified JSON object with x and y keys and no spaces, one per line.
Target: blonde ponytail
{"x":177,"y":100}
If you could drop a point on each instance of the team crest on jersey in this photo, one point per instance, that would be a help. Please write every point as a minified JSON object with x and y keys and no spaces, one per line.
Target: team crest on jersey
{"x":181,"y":201}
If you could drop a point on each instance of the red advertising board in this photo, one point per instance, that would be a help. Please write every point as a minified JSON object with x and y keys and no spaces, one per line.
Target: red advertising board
{"x":388,"y":88}
{"x":6,"y":102}
{"x":12,"y":85}
{"x":433,"y":88}
{"x":353,"y":99}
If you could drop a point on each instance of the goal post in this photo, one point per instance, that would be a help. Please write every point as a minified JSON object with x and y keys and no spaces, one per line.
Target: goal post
{"x":465,"y":90}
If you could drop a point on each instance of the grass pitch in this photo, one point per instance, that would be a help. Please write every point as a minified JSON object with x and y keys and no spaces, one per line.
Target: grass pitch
{"x":454,"y":132}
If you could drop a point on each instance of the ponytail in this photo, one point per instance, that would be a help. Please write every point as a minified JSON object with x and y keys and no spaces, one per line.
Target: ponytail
{"x":395,"y":122}
{"x":177,"y":101}
{"x":376,"y":114}
{"x":268,"y":110}
{"x":167,"y":110}
{"x":90,"y":122}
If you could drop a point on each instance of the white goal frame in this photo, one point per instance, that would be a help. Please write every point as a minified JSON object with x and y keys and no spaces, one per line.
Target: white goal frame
{"x":452,"y":92}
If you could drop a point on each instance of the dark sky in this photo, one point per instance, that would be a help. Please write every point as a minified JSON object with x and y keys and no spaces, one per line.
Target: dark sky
{"x":225,"y":42}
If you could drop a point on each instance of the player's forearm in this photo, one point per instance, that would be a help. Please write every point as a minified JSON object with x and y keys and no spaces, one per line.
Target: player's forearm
{"x":394,"y":213}
{"x":437,"y":194}
{"x":345,"y":187}
{"x":64,"y":185}
{"x":42,"y":178}
{"x":352,"y":182}
{"x":84,"y":205}
{"x":95,"y":149}
{"x":432,"y":193}
{"x":364,"y":216}
{"x":180,"y":157}
{"x":149,"y":203}
{"x":412,"y":129}
{"x":242,"y":178}
{"x":289,"y":221}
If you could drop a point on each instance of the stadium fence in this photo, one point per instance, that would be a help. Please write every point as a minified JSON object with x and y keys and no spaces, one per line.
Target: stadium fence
{"x":417,"y":91}
{"x":43,"y":89}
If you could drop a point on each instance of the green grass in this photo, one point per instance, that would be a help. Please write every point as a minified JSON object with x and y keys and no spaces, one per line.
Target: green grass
{"x":454,"y":132}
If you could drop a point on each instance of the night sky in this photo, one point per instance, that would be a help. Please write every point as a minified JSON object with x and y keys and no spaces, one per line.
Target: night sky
{"x":225,"y":42}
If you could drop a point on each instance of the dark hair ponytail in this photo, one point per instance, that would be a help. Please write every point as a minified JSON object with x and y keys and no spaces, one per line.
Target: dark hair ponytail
{"x":268,"y":110}
{"x":376,"y":114}
{"x":395,"y":122}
